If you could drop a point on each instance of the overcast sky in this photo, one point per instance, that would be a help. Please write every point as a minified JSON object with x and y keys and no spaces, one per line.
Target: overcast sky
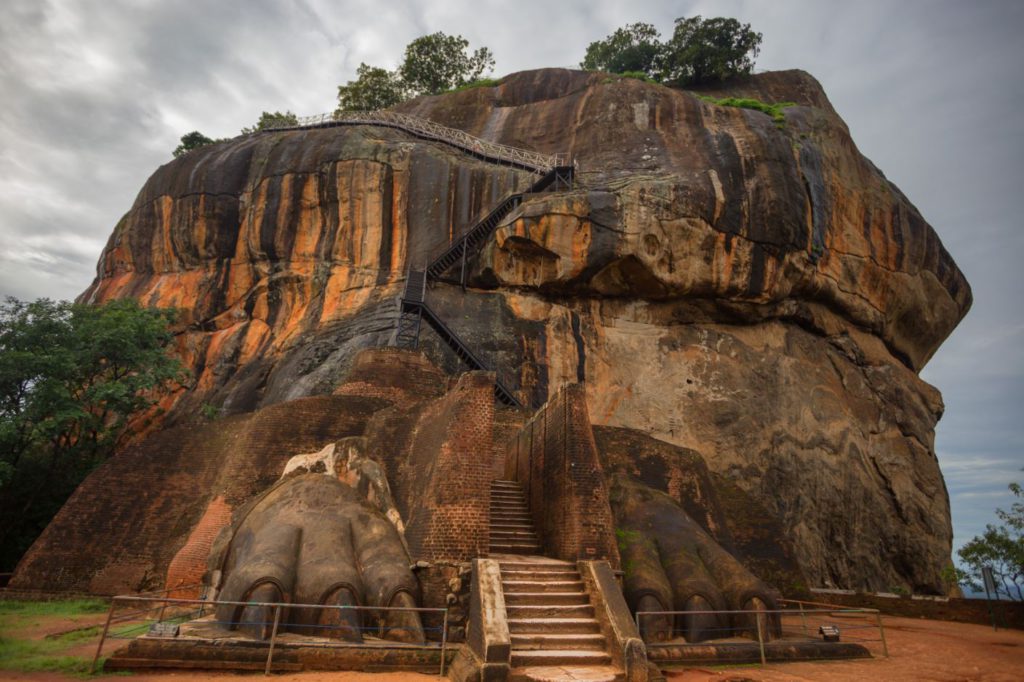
{"x":94,"y":96}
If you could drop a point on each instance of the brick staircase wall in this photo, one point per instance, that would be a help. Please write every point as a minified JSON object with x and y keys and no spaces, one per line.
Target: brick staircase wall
{"x":555,"y":459}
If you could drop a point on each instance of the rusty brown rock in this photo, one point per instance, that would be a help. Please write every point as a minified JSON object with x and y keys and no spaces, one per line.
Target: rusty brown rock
{"x":760,"y":295}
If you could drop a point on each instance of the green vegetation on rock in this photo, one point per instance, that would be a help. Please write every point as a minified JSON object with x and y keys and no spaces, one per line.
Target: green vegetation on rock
{"x":699,"y":51}
{"x":270,"y":120}
{"x":772,"y":109}
{"x":433,"y":64}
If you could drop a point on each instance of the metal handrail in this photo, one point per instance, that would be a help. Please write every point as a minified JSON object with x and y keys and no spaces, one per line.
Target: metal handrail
{"x":422,"y":127}
{"x":278,"y":607}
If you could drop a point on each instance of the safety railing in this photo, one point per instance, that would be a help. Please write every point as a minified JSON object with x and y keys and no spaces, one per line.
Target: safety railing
{"x":135,"y":616}
{"x":421,"y":127}
{"x":800,"y":631}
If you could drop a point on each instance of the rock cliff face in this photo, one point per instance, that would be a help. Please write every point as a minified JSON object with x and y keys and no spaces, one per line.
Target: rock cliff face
{"x":758,"y":294}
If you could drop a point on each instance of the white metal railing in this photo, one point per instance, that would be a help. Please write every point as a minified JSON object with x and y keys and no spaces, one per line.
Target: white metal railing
{"x":422,"y":127}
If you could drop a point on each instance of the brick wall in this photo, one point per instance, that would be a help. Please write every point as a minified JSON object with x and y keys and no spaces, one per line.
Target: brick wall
{"x":450,"y":465}
{"x":555,"y":459}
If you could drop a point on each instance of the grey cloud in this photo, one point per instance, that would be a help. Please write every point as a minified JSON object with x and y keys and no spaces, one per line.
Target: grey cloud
{"x":96,"y":95}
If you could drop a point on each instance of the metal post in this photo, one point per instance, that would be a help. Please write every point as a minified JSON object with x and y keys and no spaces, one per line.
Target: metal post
{"x":103,"y":637}
{"x":760,"y":639}
{"x":444,"y":641}
{"x":160,"y":616}
{"x":273,"y":637}
{"x":881,"y":632}
{"x":803,"y":618}
{"x":462,"y":277}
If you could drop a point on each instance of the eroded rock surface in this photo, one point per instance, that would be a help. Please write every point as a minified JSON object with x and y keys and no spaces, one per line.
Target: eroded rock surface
{"x":760,"y":295}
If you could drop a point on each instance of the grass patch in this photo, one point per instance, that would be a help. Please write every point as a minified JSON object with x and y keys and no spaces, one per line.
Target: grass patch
{"x":60,"y":609}
{"x":45,"y":653}
{"x":772,"y":109}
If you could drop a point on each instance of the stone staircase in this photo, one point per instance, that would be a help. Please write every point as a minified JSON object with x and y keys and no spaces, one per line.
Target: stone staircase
{"x":551,"y":622}
{"x":511,"y":524}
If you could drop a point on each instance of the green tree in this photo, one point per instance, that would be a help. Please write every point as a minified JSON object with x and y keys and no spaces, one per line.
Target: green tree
{"x":438,"y":62}
{"x":193,"y":140}
{"x":707,"y":50}
{"x":269,"y":121}
{"x":633,"y":48}
{"x":71,"y":377}
{"x":374,"y":88}
{"x":1001,"y":548}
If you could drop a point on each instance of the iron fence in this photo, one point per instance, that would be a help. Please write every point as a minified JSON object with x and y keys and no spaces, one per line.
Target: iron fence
{"x":425,"y":128}
{"x":159,"y":615}
{"x":800,"y":631}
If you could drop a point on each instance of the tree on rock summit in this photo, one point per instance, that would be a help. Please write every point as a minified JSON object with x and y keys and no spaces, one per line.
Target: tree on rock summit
{"x":699,"y":51}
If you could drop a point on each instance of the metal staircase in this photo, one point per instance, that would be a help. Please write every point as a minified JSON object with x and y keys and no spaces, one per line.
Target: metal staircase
{"x":474,"y":238}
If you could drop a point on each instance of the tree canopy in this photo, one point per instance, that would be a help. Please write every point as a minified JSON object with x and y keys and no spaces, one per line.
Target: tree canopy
{"x":71,"y":376}
{"x":374,"y":88}
{"x":190,"y":141}
{"x":272,"y":120}
{"x":432,"y":64}
{"x":439,"y":62}
{"x":1001,"y":548}
{"x":699,"y":51}
{"x":633,"y":48}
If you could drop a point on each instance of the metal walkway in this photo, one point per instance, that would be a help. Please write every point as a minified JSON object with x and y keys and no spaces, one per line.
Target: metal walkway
{"x":428,"y":130}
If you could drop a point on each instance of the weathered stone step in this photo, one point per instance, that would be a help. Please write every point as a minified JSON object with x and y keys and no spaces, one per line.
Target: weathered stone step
{"x":574,"y":657}
{"x":541,"y":563}
{"x":562,"y":626}
{"x":550,"y":611}
{"x":547,"y":640}
{"x":518,"y":585}
{"x":548,"y":673}
{"x":499,"y":548}
{"x":546,"y":598}
{"x":505,"y":483}
{"x":526,"y":527}
{"x":513,"y":535}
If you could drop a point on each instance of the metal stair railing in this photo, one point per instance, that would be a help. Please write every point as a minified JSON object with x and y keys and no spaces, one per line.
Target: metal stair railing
{"x":452,"y":340}
{"x":424,"y":128}
{"x":461,"y":248}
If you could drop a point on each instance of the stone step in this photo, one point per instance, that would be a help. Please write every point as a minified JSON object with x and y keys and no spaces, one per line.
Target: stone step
{"x":505,"y":483}
{"x":521,"y":548}
{"x":541,"y":563}
{"x":513,"y":535}
{"x":555,"y":626}
{"x":550,"y":611}
{"x":503,"y":516}
{"x":549,"y":673}
{"x":553,"y":577}
{"x":560,"y":657}
{"x":526,"y":586}
{"x":525,"y":527}
{"x":547,"y":640}
{"x":546,"y":598}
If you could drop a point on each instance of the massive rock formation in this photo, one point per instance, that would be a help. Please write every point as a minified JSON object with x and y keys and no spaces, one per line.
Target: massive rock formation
{"x":756,"y":293}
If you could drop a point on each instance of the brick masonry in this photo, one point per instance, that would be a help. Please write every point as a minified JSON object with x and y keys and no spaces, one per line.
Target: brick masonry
{"x":555,"y":459}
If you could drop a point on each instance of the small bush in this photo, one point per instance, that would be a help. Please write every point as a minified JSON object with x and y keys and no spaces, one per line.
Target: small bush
{"x":478,"y":83}
{"x":638,"y":75}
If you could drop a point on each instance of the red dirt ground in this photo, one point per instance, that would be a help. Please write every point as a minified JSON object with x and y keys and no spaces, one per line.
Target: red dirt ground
{"x":920,"y":650}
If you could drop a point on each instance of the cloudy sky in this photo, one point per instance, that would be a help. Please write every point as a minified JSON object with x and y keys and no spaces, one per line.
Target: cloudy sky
{"x":94,"y":96}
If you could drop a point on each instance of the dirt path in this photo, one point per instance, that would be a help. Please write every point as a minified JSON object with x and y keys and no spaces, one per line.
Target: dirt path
{"x":928,"y":650}
{"x":920,"y":650}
